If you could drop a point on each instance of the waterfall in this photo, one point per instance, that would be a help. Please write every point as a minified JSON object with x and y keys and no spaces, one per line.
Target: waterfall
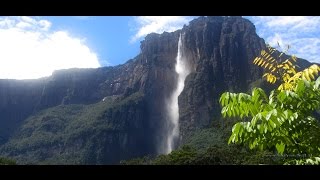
{"x":182,"y":70}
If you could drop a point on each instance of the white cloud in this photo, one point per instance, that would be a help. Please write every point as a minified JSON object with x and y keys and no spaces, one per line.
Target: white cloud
{"x":284,"y":20}
{"x":6,"y":22}
{"x":274,"y":40}
{"x":23,"y":25}
{"x":45,"y":25}
{"x":302,"y":33}
{"x":158,"y":24}
{"x":30,"y":50}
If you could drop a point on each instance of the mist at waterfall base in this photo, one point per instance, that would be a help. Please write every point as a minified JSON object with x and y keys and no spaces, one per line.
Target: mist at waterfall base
{"x":182,"y":69}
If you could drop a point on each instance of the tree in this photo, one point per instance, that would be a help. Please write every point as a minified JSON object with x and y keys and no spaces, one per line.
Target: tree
{"x":283,"y":70}
{"x":284,"y":120}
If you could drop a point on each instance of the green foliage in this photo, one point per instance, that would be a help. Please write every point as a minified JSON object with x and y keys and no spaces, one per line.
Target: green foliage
{"x":208,"y":147}
{"x":146,"y":160}
{"x":213,"y":155}
{"x":183,"y":156}
{"x":309,"y":161}
{"x":70,"y":134}
{"x":283,"y":121}
{"x":283,"y":70}
{"x":6,"y":161}
{"x":202,"y":139}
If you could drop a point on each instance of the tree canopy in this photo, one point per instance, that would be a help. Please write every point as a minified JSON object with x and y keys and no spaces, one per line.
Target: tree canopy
{"x":285,"y":119}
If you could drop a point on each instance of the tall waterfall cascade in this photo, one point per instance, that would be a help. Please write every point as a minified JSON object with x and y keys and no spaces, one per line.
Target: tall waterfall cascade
{"x":182,"y":70}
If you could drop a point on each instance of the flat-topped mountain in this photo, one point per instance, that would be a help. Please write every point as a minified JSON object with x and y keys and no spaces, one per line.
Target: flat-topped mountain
{"x":108,"y":114}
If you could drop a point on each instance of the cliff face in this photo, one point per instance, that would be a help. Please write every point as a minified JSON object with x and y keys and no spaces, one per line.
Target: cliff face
{"x":219,"y":51}
{"x":17,"y":100}
{"x":141,"y":124}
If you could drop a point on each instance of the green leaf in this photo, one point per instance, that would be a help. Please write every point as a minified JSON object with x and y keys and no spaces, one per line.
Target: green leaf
{"x":268,"y":116}
{"x":265,"y":129}
{"x":224,"y":111}
{"x":237,"y":111}
{"x":272,"y":124}
{"x":231,"y":139}
{"x":229,"y":113}
{"x":281,"y":96}
{"x":277,"y":121}
{"x":317,"y":83}
{"x":240,"y":131}
{"x":279,"y":117}
{"x":236,"y":128}
{"x":221,"y":100}
{"x":280,"y":147}
{"x":255,"y":95}
{"x":261,"y":128}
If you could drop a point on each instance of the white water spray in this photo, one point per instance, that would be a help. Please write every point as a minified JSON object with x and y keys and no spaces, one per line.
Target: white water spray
{"x":173,"y":107}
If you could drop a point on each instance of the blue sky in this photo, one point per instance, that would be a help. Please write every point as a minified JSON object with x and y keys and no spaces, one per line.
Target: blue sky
{"x":34,"y":47}
{"x":108,"y":36}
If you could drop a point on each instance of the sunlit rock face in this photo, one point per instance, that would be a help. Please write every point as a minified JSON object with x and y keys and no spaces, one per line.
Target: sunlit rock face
{"x":221,"y":50}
